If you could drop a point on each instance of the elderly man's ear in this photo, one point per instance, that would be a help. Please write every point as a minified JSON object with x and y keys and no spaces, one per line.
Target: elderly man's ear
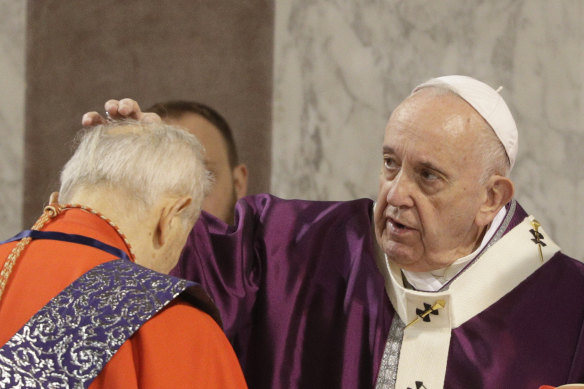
{"x":240,"y":175}
{"x":170,"y":216}
{"x":499,"y":191}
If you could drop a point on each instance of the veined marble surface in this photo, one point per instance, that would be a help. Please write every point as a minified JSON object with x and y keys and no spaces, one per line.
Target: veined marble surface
{"x":12,"y":82}
{"x":341,"y":68}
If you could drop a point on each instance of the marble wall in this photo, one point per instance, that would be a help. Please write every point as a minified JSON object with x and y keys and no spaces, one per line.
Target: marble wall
{"x":341,"y":67}
{"x":12,"y":72}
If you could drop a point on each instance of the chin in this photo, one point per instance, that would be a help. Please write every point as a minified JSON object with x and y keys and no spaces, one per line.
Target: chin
{"x":399,"y":254}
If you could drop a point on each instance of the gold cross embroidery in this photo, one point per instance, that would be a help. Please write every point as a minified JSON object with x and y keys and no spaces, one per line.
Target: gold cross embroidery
{"x":437,"y":305}
{"x":537,"y":235}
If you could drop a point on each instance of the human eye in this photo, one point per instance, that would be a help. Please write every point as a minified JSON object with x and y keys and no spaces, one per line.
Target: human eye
{"x":389,"y":162}
{"x":429,"y":175}
{"x":390,"y":166}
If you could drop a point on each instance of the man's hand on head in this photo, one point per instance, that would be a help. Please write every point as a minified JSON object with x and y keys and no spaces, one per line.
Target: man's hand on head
{"x":117,"y":110}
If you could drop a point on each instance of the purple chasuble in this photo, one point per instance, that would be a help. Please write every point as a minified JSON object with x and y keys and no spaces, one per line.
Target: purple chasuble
{"x":531,"y":337}
{"x":304,"y":304}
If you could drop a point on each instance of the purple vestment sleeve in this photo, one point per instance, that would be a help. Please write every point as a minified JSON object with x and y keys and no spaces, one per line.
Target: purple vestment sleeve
{"x":298,"y":289}
{"x":224,"y":261}
{"x":305,"y":306}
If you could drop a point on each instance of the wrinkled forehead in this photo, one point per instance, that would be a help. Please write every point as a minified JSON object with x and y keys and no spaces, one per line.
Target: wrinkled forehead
{"x":440,"y":131}
{"x":436,"y":112}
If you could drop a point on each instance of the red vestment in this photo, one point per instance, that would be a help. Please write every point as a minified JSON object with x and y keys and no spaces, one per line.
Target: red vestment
{"x":180,"y":347}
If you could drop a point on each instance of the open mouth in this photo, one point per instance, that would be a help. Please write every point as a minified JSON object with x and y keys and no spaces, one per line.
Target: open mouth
{"x":398,"y":226}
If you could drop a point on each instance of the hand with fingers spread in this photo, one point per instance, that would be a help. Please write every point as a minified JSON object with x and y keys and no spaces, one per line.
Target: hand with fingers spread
{"x":119,"y":109}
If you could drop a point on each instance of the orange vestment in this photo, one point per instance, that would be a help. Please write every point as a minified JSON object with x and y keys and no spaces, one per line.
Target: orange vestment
{"x":180,"y":347}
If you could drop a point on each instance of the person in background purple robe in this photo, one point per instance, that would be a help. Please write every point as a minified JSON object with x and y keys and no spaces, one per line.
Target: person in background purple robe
{"x":443,"y":282}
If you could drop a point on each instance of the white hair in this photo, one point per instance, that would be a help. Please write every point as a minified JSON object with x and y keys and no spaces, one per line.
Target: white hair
{"x":493,"y":154}
{"x":145,"y":160}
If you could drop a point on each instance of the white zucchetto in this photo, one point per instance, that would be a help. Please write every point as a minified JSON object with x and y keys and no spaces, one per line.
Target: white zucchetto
{"x":487,"y":102}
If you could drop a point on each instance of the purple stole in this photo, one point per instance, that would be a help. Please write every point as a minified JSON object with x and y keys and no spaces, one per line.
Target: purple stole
{"x":68,"y":341}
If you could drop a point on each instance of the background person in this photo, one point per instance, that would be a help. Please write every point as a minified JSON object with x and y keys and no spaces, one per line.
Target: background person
{"x":230,"y":177}
{"x":130,"y":193}
{"x":221,"y":159}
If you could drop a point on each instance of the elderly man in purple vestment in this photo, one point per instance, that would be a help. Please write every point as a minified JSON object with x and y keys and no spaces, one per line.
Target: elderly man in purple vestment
{"x":444,"y":281}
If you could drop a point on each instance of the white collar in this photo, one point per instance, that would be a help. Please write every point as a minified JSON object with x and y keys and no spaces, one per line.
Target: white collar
{"x":424,"y":350}
{"x":433,"y":281}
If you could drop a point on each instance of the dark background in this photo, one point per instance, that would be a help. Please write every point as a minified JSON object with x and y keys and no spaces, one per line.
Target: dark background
{"x":82,"y":53}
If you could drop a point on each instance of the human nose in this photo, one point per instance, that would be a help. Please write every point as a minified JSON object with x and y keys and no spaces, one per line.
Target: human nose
{"x":399,"y":191}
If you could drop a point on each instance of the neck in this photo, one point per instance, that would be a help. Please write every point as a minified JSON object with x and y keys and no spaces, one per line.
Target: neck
{"x":479,"y":239}
{"x":122,"y":212}
{"x":475,"y":240}
{"x":434,"y":280}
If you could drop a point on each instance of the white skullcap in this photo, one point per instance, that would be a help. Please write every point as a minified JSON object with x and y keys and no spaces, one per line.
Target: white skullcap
{"x":487,"y":102}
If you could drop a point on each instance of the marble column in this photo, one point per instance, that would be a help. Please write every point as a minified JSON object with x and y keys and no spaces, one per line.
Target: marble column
{"x":12,"y":73}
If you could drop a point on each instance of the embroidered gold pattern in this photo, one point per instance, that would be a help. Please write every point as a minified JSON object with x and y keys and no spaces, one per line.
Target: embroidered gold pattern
{"x":433,"y":309}
{"x":537,"y":237}
{"x":67,"y":343}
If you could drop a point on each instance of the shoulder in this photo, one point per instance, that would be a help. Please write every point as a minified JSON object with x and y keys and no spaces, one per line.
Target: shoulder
{"x":179,"y":347}
{"x":560,"y":273}
{"x":179,"y":319}
{"x":573,"y":265}
{"x":183,"y":332}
